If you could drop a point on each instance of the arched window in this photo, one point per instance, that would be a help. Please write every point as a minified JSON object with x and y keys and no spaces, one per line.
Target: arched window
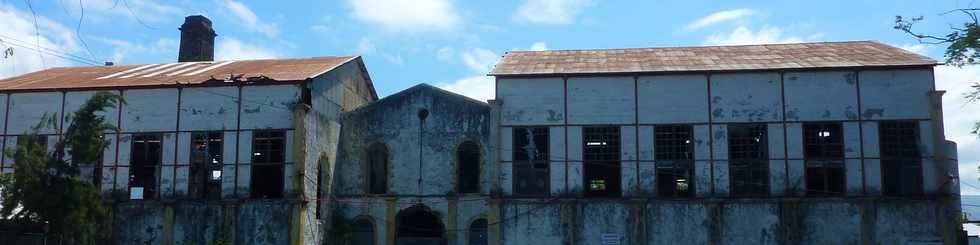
{"x":377,"y":156}
{"x":468,"y":164}
{"x":478,"y":232}
{"x":362,"y":232}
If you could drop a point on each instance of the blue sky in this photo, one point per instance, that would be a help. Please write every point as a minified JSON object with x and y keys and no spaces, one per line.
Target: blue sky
{"x":452,"y":44}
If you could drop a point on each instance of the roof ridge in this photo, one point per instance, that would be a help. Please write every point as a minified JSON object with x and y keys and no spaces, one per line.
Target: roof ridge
{"x":704,"y":46}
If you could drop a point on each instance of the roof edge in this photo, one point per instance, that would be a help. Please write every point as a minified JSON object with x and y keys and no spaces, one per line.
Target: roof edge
{"x":790,"y":69}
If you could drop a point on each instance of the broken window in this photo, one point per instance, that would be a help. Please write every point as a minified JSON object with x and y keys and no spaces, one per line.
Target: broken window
{"x":749,"y":156}
{"x":362,"y":232}
{"x":674,"y":153}
{"x":824,"y":153}
{"x":478,"y":232}
{"x":206,"y":165}
{"x":468,"y":164}
{"x":601,"y":155}
{"x":377,"y":168}
{"x":268,"y":157}
{"x":145,"y":159}
{"x":901,"y":162}
{"x":531,"y":161}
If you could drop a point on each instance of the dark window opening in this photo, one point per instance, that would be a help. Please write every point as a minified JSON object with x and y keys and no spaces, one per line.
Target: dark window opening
{"x":601,"y":155}
{"x":901,"y":161}
{"x":531,"y":166}
{"x":824,"y":154}
{"x":749,"y":167}
{"x":674,"y":153}
{"x":145,"y":160}
{"x":468,"y":154}
{"x":362,"y":232}
{"x":478,"y":232}
{"x":419,"y":225}
{"x":268,"y":157}
{"x":377,"y":169}
{"x":206,"y":165}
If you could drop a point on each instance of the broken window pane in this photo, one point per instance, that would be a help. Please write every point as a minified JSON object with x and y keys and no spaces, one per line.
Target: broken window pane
{"x":377,"y":168}
{"x":901,"y":162}
{"x":749,"y":160}
{"x":468,"y":154}
{"x":145,"y":160}
{"x":674,"y":153}
{"x":531,"y":166}
{"x":206,"y":165}
{"x":268,"y":157}
{"x":601,"y":156}
{"x":824,"y":153}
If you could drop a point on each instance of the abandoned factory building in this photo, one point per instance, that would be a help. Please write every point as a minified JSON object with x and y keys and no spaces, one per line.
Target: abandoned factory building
{"x":811,"y":143}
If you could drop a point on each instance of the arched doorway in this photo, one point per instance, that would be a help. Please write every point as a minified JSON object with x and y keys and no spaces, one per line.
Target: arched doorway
{"x":419,"y":225}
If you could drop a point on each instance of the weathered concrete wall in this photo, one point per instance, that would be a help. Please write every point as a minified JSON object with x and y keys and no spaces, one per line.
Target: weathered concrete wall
{"x":393,"y":121}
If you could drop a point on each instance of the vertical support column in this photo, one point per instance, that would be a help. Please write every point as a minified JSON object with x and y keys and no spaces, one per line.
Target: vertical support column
{"x":168,"y":223}
{"x":299,"y":148}
{"x":493,"y":219}
{"x":451,"y":222}
{"x":715,"y":221}
{"x":390,"y":209}
{"x":495,"y":146}
{"x":949,"y":204}
{"x":569,"y":213}
{"x":231,"y":221}
{"x":638,"y":228}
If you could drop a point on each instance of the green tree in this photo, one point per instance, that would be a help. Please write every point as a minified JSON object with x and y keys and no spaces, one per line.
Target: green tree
{"x":46,"y":188}
{"x":963,"y":45}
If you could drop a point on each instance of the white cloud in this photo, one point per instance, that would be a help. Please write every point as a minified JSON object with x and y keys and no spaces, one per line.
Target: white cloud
{"x":539,"y":46}
{"x":958,"y":119}
{"x":719,"y":17}
{"x":364,"y":46}
{"x":920,"y":49}
{"x":123,"y":49}
{"x":444,"y":53}
{"x":742,"y":35}
{"x":550,"y":12}
{"x":407,"y":15}
{"x":249,"y":20}
{"x":479,"y":60}
{"x":234,"y":49}
{"x":146,"y":11}
{"x":53,"y":36}
{"x":478,"y":87}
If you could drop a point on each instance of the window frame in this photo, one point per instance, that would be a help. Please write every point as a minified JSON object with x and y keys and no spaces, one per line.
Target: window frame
{"x":907,"y":157}
{"x":369,"y":167}
{"x":604,"y":158}
{"x":268,"y":162}
{"x":531,"y":166}
{"x":204,"y":186}
{"x":151,"y":192}
{"x":754,"y":163}
{"x":824,"y":156}
{"x":674,"y":161}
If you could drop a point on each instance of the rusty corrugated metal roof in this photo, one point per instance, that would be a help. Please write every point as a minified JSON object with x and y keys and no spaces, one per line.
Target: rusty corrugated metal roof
{"x":708,"y":58}
{"x":172,"y":73}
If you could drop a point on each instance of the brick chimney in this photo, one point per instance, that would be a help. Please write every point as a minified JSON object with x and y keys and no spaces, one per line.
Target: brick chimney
{"x":196,"y":39}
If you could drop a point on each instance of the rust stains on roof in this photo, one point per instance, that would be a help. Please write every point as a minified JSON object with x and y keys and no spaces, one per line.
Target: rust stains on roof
{"x":172,"y":74}
{"x":708,"y":58}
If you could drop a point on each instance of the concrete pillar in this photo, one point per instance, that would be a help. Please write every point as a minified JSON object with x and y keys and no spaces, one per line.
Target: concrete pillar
{"x":168,"y":223}
{"x":390,"y":210}
{"x":495,"y":145}
{"x":493,"y":221}
{"x":638,"y":228}
{"x":949,"y":203}
{"x":299,"y":149}
{"x":451,"y":223}
{"x":568,"y":214}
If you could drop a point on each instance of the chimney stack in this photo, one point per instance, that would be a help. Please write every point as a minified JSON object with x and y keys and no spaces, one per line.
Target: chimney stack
{"x":196,"y":39}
